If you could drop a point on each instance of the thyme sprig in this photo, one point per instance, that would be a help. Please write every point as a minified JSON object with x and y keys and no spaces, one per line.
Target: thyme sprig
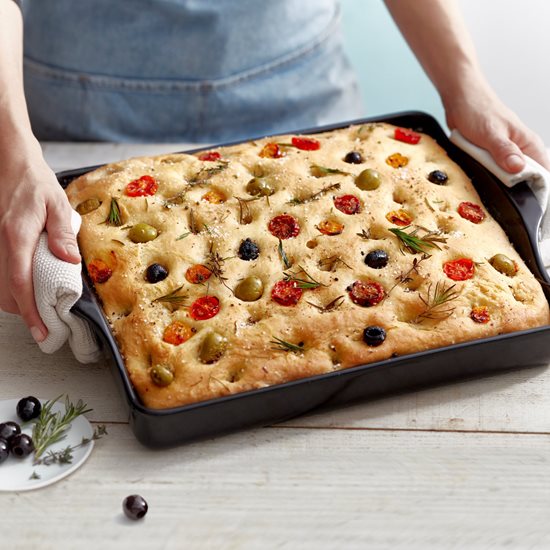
{"x":65,"y":456}
{"x":404,"y":278}
{"x":321,"y":171}
{"x":114,"y":218}
{"x":414,"y":243}
{"x":50,"y":427}
{"x":331,"y":306}
{"x":304,"y":283}
{"x":172,"y":298}
{"x":315,"y":196}
{"x":282,"y":345}
{"x":437,"y":303}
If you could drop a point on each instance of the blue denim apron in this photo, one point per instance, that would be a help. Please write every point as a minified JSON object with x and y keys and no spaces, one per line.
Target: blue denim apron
{"x":184,"y":70}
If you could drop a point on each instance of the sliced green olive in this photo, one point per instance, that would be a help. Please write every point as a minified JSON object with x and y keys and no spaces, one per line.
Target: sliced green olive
{"x":368,"y":180}
{"x":260,"y":187}
{"x":87,"y":206}
{"x":212,"y":347}
{"x":161,"y":375}
{"x":143,"y":233}
{"x":504,"y":265}
{"x":249,"y":289}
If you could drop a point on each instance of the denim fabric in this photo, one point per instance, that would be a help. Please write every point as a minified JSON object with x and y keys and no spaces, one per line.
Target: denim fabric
{"x":184,"y":70}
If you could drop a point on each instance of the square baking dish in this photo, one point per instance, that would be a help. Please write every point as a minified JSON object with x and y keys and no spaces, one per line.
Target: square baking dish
{"x":516,"y":210}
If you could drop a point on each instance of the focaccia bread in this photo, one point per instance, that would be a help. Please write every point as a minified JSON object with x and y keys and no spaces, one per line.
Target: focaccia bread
{"x":287,"y":257}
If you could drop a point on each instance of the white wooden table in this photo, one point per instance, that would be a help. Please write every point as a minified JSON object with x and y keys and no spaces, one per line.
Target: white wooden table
{"x":461,"y":466}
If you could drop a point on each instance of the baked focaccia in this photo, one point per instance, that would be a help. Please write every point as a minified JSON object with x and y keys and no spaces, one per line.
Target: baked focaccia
{"x":260,"y":263}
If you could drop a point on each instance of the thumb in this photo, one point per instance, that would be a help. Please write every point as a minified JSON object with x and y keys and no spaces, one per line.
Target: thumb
{"x":506,"y":154}
{"x":61,"y":238}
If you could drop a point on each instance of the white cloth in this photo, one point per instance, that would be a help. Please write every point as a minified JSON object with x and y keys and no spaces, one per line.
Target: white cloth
{"x":57,"y":286}
{"x":536,"y":176}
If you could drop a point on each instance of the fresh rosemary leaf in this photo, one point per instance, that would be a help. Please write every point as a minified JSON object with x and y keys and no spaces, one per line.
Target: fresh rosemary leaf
{"x":315,"y":196}
{"x":172,"y":298}
{"x":286,"y":262}
{"x":437,"y":303}
{"x":320,"y":171}
{"x":334,"y":304}
{"x":308,"y":283}
{"x":114,"y":218}
{"x":282,"y":345}
{"x":183,"y":235}
{"x":206,"y":173}
{"x":414,"y":244}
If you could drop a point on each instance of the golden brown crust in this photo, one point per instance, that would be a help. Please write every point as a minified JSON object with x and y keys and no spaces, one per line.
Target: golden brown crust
{"x":330,"y":339}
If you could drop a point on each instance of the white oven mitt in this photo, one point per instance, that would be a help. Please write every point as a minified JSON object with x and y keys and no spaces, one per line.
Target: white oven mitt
{"x":535,"y":175}
{"x":57,"y":286}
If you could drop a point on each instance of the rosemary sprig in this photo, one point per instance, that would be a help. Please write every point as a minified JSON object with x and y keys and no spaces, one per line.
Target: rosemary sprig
{"x":315,"y":196}
{"x":308,"y":283}
{"x":172,"y":298}
{"x":330,"y":263}
{"x":245,"y":216}
{"x":175,"y":200}
{"x":284,"y":258}
{"x":183,"y":235}
{"x":321,"y":171}
{"x":437,"y":302}
{"x":282,"y":345}
{"x":331,"y":306}
{"x":206,"y":173}
{"x":404,"y":278}
{"x":114,"y":218}
{"x":51,"y":427}
{"x":416,"y":244}
{"x":216,"y":264}
{"x":65,"y":456}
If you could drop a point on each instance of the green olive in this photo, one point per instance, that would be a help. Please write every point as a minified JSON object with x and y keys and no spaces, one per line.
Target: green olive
{"x":504,"y":264}
{"x":143,"y":233}
{"x":212,"y":347}
{"x":368,"y":180}
{"x":161,"y":375}
{"x":87,"y":206}
{"x":249,"y":289}
{"x":260,"y":187}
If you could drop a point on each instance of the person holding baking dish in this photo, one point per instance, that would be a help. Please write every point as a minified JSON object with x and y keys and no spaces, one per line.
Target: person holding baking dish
{"x":196,"y":71}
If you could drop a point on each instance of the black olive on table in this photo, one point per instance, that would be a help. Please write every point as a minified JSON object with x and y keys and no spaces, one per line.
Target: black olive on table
{"x":135,"y":507}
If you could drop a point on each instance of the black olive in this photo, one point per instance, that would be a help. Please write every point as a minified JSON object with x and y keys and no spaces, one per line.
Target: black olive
{"x":28,"y":408}
{"x":21,"y":445}
{"x":8,"y":430}
{"x":374,"y":336}
{"x":438,"y":177}
{"x":156,"y":273}
{"x":353,"y":157}
{"x":248,"y":250}
{"x":4,"y":450}
{"x":135,"y":507}
{"x":377,"y":259}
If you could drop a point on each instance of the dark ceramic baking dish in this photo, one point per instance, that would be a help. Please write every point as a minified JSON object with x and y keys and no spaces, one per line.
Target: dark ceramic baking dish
{"x":515,"y":209}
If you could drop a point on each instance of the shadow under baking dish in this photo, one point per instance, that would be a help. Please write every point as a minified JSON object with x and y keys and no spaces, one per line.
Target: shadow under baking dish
{"x":516,"y":210}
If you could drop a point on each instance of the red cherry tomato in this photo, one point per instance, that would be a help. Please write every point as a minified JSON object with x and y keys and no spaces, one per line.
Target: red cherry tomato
{"x":348,"y":204}
{"x":99,"y":271}
{"x":330,"y":227}
{"x":306,"y":144}
{"x":204,"y":308}
{"x":177,"y":333}
{"x":210,"y":155}
{"x":471,"y":212}
{"x":406,"y":135}
{"x":144,"y":186}
{"x":271,"y":151}
{"x":366,"y":293}
{"x":480,"y":314}
{"x":459,"y":270}
{"x":286,"y":293}
{"x":284,"y":226}
{"x":197,"y":274}
{"x":399,"y":217}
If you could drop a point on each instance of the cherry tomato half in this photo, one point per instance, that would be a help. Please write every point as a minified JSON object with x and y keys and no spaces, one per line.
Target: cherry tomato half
{"x":177,"y":333}
{"x":407,"y":136}
{"x":330,"y":227}
{"x":397,"y":160}
{"x":284,"y":226}
{"x":99,"y":271}
{"x":480,"y":314}
{"x":348,"y":204}
{"x":366,"y":293}
{"x":204,"y":308}
{"x":210,"y":155}
{"x":197,"y":274}
{"x":306,"y":144}
{"x":271,"y":151}
{"x":459,"y":270}
{"x":471,"y":212}
{"x":214,"y":196}
{"x":144,"y":186}
{"x":399,"y":217}
{"x":286,"y":293}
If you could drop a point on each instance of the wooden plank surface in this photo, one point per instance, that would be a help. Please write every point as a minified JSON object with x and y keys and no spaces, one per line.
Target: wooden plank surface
{"x":460,"y":466}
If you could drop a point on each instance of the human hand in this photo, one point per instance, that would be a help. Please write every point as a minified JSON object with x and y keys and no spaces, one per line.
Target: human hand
{"x":484,"y":120}
{"x":31,"y":200}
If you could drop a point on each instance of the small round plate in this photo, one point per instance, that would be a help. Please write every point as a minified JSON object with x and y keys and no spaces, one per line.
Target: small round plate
{"x":19,"y":474}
